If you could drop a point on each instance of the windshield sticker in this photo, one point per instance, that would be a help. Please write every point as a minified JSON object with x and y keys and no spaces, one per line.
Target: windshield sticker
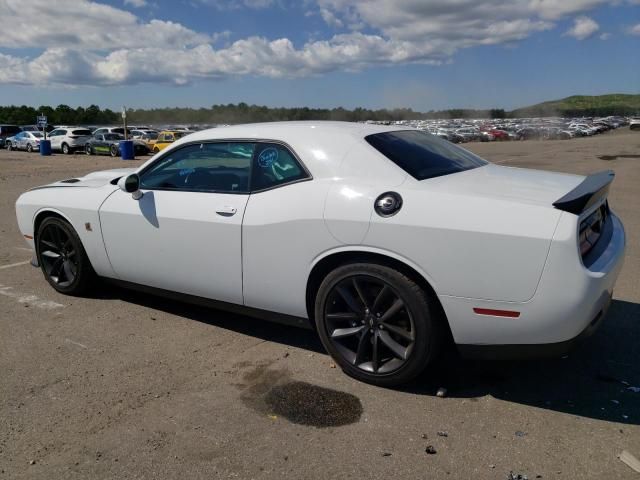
{"x":186,"y":171}
{"x":267,"y":157}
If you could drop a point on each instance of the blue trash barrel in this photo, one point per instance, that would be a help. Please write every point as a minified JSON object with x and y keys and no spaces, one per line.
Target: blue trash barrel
{"x":126,"y":149}
{"x":45,"y":148}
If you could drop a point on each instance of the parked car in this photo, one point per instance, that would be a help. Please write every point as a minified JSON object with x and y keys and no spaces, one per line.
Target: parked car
{"x":634,"y":124}
{"x":167,"y":137}
{"x":500,"y":135}
{"x":7,"y":131}
{"x":327,"y":222}
{"x":37,"y":128}
{"x":29,"y":141}
{"x":150,"y":139}
{"x":69,"y":139}
{"x":109,"y":144}
{"x":118,"y":130}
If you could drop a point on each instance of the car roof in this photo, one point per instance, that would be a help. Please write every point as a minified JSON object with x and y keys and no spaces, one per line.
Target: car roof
{"x":321,"y":145}
{"x":288,"y":130}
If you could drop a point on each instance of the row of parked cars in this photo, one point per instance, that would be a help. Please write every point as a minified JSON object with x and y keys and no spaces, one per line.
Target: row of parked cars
{"x":92,"y":141}
{"x":483,"y":130}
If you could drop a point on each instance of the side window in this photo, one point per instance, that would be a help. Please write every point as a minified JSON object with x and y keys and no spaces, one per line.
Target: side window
{"x":54,"y":133}
{"x":274,"y":165}
{"x":205,"y":167}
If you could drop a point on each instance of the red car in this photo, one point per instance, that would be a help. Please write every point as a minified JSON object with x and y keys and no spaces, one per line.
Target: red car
{"x":499,"y":134}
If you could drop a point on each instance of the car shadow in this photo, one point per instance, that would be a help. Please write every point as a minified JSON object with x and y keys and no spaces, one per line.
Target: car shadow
{"x":592,"y":381}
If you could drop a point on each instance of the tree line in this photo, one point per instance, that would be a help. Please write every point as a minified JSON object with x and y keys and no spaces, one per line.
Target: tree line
{"x":244,"y":113}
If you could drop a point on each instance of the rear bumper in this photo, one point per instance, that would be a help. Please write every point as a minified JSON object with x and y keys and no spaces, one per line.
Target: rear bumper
{"x":532,"y":351}
{"x":569,"y":304}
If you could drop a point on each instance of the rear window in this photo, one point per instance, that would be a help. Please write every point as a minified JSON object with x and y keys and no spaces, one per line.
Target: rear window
{"x":422,"y":155}
{"x":81,"y":132}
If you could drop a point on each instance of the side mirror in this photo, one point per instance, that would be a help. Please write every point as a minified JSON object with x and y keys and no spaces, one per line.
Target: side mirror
{"x":131,"y":184}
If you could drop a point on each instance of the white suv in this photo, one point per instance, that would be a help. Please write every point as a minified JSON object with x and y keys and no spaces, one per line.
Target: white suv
{"x":69,"y":139}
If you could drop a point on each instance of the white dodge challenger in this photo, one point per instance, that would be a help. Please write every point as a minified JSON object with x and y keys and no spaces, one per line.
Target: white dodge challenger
{"x":387,"y":240}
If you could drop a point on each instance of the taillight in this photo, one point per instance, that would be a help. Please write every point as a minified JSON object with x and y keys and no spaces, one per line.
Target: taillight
{"x":591,"y":229}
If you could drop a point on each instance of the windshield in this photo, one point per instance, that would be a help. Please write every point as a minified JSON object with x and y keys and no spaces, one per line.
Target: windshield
{"x":36,"y":134}
{"x":113,"y":136}
{"x":422,"y":155}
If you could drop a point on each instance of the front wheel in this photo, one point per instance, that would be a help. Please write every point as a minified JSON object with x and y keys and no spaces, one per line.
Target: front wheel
{"x":9,"y":146}
{"x":114,"y":151}
{"x":62,"y":257}
{"x":88,"y":150}
{"x":377,"y":324}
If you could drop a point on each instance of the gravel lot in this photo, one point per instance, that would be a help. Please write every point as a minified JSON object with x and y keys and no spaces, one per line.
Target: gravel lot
{"x":126,"y":385}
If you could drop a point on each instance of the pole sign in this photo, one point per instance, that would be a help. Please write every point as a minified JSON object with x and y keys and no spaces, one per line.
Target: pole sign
{"x":41,"y":120}
{"x":124,"y":113}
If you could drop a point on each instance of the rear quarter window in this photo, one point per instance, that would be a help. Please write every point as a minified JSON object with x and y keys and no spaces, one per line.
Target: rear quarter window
{"x":422,"y":155}
{"x":81,"y":132}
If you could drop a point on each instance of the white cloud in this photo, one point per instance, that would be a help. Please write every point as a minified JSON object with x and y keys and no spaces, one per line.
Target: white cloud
{"x":583,"y":28}
{"x":604,"y":36}
{"x":237,"y":4}
{"x":104,"y":45}
{"x":635,"y":30}
{"x":136,"y":3}
{"x":82,"y":24}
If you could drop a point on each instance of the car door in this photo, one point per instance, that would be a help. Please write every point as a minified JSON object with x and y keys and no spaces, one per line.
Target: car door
{"x":19,"y":141}
{"x":184,"y":233}
{"x":99,"y":143}
{"x":56,"y":138}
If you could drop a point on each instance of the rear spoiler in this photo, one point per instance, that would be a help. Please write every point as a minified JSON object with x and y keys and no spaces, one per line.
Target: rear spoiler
{"x":589,"y":192}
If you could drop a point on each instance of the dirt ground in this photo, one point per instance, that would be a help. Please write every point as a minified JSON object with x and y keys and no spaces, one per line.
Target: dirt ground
{"x":127,"y":385}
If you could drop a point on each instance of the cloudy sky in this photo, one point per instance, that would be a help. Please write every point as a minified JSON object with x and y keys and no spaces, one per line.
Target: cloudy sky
{"x":424,"y":54}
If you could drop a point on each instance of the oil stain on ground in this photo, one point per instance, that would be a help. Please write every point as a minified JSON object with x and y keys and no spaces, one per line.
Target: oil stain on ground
{"x":272,"y":392}
{"x":307,"y":404}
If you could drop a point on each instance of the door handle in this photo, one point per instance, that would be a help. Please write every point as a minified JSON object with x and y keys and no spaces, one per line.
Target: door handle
{"x":226,"y":211}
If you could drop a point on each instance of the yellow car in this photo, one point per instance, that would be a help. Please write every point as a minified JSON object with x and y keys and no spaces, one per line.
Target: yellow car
{"x":167,"y":137}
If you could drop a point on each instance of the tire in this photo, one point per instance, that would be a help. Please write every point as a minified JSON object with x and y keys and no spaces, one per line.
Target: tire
{"x":62,"y":258}
{"x":65,"y":149}
{"x":29,"y":148}
{"x":156,"y":149}
{"x":113,"y":151}
{"x":88,"y":150}
{"x":377,"y":323}
{"x":9,"y":146}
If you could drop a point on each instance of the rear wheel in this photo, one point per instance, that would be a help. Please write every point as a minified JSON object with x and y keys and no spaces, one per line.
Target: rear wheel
{"x":156,"y":149}
{"x":113,"y":150}
{"x":377,"y":324}
{"x":65,"y":149}
{"x":9,"y":146}
{"x":62,"y":257}
{"x":88,"y":150}
{"x":29,"y":148}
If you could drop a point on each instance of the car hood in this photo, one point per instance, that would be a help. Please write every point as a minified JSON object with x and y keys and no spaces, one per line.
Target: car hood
{"x":94,"y":179}
{"x":521,"y":185}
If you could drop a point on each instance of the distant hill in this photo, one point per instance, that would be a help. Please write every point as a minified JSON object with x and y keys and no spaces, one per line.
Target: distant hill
{"x":583,"y":105}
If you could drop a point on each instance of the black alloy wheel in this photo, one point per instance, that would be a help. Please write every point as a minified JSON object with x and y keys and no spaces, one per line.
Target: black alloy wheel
{"x":376,"y":323}
{"x":113,"y":150}
{"x":88,"y":150}
{"x":62,"y":257}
